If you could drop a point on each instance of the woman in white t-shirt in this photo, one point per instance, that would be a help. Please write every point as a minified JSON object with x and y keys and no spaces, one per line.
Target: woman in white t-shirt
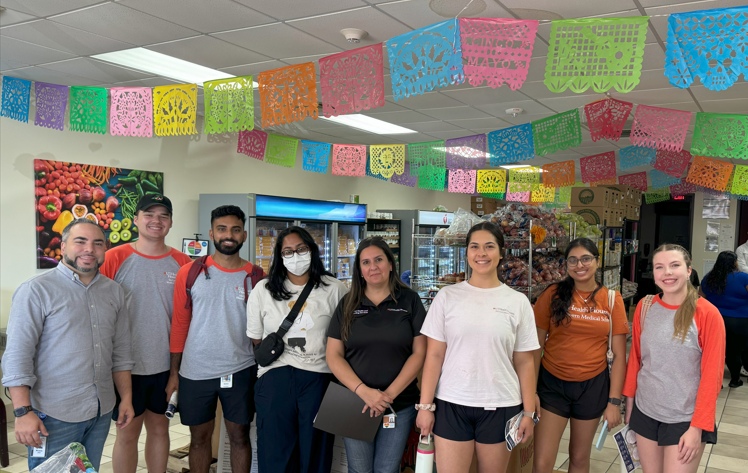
{"x":479,"y":370}
{"x":289,"y":391}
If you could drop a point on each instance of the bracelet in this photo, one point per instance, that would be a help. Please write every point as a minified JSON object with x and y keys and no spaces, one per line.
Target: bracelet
{"x":359,"y":385}
{"x":426,"y":407}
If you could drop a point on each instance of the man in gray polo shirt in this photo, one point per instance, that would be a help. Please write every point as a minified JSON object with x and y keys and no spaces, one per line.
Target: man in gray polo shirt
{"x":68,"y":346}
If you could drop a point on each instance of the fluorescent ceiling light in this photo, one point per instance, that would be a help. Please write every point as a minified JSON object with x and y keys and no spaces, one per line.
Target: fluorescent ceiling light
{"x":372,"y":125}
{"x":146,"y":60}
{"x":142,"y":59}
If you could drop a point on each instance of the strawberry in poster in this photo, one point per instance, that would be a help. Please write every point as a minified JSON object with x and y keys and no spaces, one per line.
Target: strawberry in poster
{"x":105,"y":195}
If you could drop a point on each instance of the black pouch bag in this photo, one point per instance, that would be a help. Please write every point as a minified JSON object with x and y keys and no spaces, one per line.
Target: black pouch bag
{"x":271,"y":347}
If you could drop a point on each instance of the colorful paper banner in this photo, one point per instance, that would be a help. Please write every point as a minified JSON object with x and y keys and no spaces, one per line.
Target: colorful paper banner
{"x":511,"y":145}
{"x":710,"y":173}
{"x":175,"y":109}
{"x":598,"y":167}
{"x":315,"y":156}
{"x":497,"y":50}
{"x":559,"y":174}
{"x":352,"y":81}
{"x":387,"y":160}
{"x":229,"y":105}
{"x":466,"y":152}
{"x":708,"y":44}
{"x":461,"y":181}
{"x":723,"y":135}
{"x":349,"y":160}
{"x":606,"y":118}
{"x":490,"y":181}
{"x":660,"y":128}
{"x":557,"y":132}
{"x":425,"y":59}
{"x":252,"y":143}
{"x":16,"y":99}
{"x":288,"y":94}
{"x":601,"y":53}
{"x":131,"y":111}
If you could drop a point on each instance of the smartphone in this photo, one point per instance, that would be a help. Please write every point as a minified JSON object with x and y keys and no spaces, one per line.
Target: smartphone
{"x":601,"y":438}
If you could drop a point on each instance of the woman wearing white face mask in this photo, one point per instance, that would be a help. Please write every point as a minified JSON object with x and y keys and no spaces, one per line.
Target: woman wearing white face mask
{"x":289,"y":391}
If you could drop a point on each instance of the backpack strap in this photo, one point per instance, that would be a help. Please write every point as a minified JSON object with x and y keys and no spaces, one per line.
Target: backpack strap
{"x":255,"y":276}
{"x":611,"y":303}
{"x":646,"y":304}
{"x":198,"y":266}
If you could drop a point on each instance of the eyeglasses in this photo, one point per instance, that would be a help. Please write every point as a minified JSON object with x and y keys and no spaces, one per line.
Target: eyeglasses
{"x":301,"y":251}
{"x":586,"y":260}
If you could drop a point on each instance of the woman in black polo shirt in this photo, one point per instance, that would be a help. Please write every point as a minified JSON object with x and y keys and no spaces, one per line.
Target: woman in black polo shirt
{"x":375,"y":349}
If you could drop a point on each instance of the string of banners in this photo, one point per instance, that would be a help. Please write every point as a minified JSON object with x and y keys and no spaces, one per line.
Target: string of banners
{"x":601,"y":54}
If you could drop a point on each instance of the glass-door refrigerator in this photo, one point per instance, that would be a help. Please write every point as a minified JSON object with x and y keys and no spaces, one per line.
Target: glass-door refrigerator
{"x":327,"y":222}
{"x":417,"y":222}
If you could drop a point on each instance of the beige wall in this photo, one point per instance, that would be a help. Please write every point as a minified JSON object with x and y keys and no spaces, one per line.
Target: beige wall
{"x":190,"y":167}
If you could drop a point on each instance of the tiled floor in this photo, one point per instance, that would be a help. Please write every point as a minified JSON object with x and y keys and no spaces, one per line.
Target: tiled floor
{"x":729,"y":455}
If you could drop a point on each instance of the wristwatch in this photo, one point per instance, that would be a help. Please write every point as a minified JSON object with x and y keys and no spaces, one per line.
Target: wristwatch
{"x":22,"y":411}
{"x":426,"y":407}
{"x":615,"y":401}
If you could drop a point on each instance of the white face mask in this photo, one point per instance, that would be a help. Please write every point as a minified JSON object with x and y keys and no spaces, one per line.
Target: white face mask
{"x":298,"y":265}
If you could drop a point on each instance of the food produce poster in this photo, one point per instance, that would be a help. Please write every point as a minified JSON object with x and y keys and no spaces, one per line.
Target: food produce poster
{"x":66,"y":191}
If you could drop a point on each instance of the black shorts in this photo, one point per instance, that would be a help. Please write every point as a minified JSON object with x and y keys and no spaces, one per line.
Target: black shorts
{"x":581,"y":400}
{"x":148,"y":392}
{"x":198,"y":399}
{"x":463,"y":423}
{"x":662,"y":433}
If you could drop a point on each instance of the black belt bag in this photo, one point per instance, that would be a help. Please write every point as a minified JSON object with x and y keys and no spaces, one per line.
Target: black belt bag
{"x":271,"y":347}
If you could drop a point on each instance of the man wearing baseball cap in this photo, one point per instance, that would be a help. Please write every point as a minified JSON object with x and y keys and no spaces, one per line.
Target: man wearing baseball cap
{"x":147,"y":268}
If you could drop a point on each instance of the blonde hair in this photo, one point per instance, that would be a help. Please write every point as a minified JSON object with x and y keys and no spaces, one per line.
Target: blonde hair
{"x":684,"y":315}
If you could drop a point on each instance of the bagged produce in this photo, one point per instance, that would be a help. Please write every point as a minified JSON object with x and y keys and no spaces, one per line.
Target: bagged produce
{"x":457,"y":232}
{"x":515,"y":219}
{"x":583,"y":229}
{"x":72,"y":459}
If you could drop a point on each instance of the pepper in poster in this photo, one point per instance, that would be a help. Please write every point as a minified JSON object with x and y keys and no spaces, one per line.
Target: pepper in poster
{"x":106,"y":195}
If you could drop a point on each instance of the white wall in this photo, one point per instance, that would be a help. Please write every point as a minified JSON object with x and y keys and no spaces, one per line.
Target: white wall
{"x":190,"y":167}
{"x":698,"y":236}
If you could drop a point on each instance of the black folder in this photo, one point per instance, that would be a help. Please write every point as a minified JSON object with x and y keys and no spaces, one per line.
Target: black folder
{"x":340,"y":414}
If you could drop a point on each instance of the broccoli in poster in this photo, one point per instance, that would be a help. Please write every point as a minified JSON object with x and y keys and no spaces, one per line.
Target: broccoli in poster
{"x":67,"y":191}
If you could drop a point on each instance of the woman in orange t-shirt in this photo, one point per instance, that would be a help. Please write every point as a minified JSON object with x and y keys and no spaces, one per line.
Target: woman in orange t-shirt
{"x":573,"y":319}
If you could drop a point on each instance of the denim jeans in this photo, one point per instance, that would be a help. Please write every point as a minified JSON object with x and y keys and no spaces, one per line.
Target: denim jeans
{"x":384,"y":454}
{"x":91,"y":433}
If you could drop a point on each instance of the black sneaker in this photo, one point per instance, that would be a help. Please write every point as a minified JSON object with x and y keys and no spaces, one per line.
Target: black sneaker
{"x":736,"y":384}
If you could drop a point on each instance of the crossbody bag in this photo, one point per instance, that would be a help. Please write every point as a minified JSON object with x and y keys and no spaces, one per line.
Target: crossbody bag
{"x":271,"y":347}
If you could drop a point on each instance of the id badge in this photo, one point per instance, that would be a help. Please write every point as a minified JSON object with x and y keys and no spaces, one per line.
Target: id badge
{"x":227,"y":381}
{"x":388,"y":421}
{"x":40,"y":452}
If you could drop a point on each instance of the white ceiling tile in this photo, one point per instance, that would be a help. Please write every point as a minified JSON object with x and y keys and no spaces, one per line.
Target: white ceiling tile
{"x":253,"y":69}
{"x":647,"y":96}
{"x":413,"y":13}
{"x":428,"y":127}
{"x":96,"y":70}
{"x":43,"y":8}
{"x":11,"y":17}
{"x":530,"y":107}
{"x":427,"y":101}
{"x":209,"y":52}
{"x":278,"y":41}
{"x":380,"y":26}
{"x":685,"y":106}
{"x":389,"y":106}
{"x":290,"y":9}
{"x":482,"y":95}
{"x":525,"y":118}
{"x":726,"y":106}
{"x":448,"y":135}
{"x":490,"y":123}
{"x":562,"y":104}
{"x":455,"y":113}
{"x":57,"y":36}
{"x":15,"y":54}
{"x":124,"y":24}
{"x":41,"y":74}
{"x":572,"y":9}
{"x":399,"y":118}
{"x":202,"y":16}
{"x":151,"y":82}
{"x":737,"y":91}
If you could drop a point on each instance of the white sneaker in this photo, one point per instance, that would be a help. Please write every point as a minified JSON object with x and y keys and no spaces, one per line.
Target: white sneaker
{"x":743,"y":372}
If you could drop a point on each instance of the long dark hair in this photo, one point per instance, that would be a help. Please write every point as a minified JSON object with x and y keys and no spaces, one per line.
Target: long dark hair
{"x":561,"y":300}
{"x":494,"y":230}
{"x":358,"y":283}
{"x":278,"y":272}
{"x":716,"y":279}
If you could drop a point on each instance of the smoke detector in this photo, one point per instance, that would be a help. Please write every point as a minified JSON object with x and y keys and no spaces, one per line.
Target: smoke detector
{"x":514,"y":111}
{"x":354,"y":35}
